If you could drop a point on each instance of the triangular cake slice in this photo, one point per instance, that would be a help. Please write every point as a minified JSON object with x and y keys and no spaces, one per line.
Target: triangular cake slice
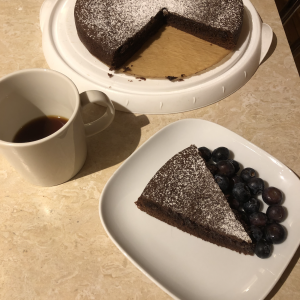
{"x":184,"y":194}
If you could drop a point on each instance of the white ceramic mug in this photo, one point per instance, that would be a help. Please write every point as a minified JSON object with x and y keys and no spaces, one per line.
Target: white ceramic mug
{"x":29,"y":94}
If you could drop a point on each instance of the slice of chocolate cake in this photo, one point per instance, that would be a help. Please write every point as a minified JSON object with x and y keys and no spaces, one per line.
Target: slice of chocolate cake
{"x":184,"y":194}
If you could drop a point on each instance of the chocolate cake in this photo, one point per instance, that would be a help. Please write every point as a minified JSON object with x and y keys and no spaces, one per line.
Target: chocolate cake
{"x":113,"y":30}
{"x":184,"y":194}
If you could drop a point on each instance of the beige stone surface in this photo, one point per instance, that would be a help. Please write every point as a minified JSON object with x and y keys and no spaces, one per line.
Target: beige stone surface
{"x":52,"y":243}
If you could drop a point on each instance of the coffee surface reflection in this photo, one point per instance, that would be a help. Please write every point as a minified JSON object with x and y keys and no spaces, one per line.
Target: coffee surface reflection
{"x":39,"y":128}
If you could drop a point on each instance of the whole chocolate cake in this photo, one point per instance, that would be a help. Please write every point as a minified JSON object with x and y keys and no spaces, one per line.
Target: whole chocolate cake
{"x":184,"y":194}
{"x":113,"y":30}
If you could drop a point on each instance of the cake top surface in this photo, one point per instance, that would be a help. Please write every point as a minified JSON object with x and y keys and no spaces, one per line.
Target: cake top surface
{"x":112,"y":22}
{"x":185,"y":185}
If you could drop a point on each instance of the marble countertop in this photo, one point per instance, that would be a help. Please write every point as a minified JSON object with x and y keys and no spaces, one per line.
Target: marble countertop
{"x":53,"y":245}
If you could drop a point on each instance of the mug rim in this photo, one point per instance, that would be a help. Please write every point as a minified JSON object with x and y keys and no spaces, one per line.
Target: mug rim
{"x":59,"y":131}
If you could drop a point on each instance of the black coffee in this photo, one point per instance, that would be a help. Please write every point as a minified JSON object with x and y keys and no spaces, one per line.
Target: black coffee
{"x":39,"y":128}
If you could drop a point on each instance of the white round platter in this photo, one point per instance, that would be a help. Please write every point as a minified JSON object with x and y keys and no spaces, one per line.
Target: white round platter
{"x":65,"y":53}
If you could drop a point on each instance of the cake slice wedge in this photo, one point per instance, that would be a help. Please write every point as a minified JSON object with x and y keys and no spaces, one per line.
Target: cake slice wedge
{"x":184,"y":194}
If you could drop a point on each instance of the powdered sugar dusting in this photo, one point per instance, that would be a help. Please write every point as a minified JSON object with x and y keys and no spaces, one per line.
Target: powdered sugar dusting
{"x":185,"y":185}
{"x":114,"y":21}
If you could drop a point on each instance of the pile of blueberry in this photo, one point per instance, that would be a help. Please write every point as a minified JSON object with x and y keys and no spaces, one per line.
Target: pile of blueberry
{"x":241,"y":192}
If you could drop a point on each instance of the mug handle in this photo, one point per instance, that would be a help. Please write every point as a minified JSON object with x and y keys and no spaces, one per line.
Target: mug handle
{"x":99,"y":98}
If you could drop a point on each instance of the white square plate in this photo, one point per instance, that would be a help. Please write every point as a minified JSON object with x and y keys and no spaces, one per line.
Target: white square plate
{"x":182,"y":265}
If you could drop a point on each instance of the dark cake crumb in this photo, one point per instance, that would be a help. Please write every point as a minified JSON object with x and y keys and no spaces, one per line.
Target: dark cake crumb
{"x":171,"y":78}
{"x":125,"y":69}
{"x":110,"y":75}
{"x":141,"y":78}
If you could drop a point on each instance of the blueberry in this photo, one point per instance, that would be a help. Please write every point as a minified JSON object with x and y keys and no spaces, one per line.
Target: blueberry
{"x":225,"y":168}
{"x":251,"y":206}
{"x":258,"y":219}
{"x":233,"y":203}
{"x":222,"y":181}
{"x":236,"y":179}
{"x":263,"y":249}
{"x":212,"y":168}
{"x":256,"y":233}
{"x":244,"y":217}
{"x":204,"y":153}
{"x":274,"y":233}
{"x":276,"y":213}
{"x":272,"y":195}
{"x":247,"y":174}
{"x":241,"y":192}
{"x":256,"y":185}
{"x":235,"y":164}
{"x":221,"y":153}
